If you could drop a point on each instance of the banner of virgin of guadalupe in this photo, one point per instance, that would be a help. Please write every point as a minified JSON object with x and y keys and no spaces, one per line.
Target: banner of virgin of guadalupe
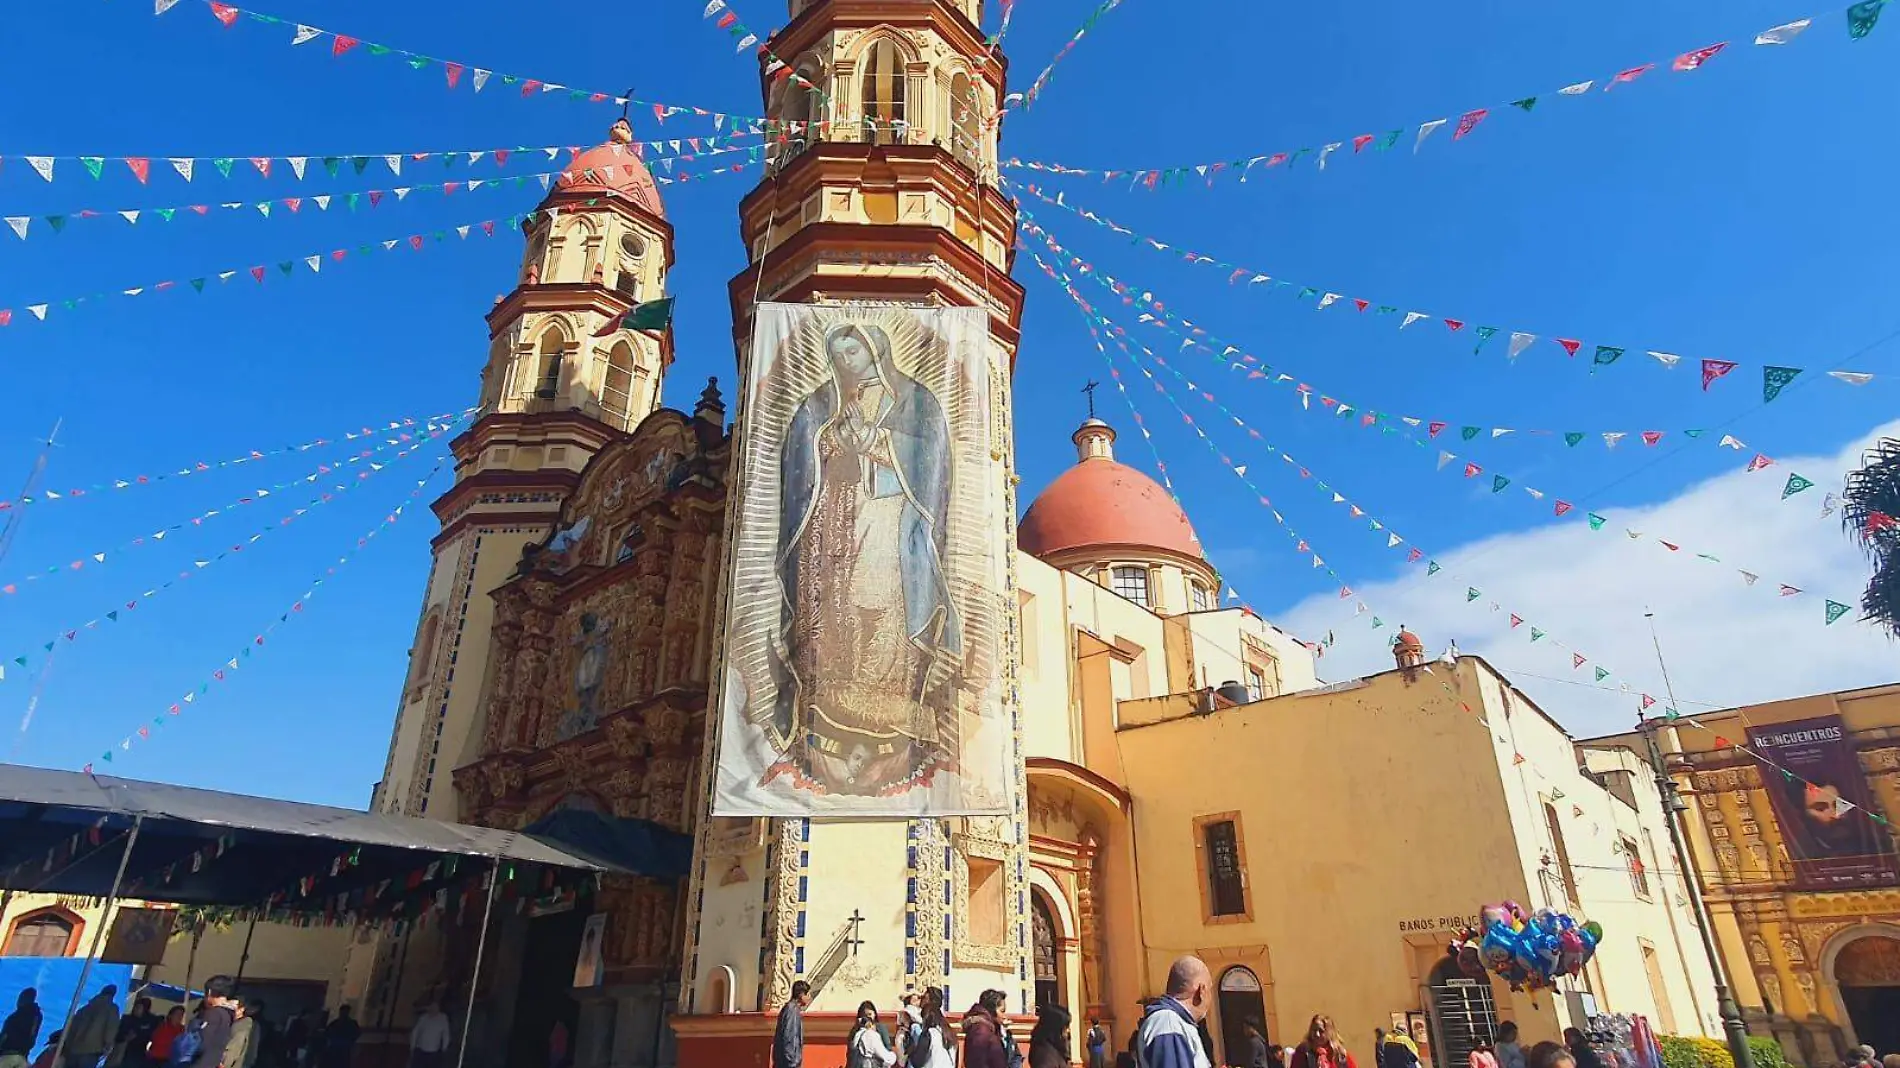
{"x":864,"y":645}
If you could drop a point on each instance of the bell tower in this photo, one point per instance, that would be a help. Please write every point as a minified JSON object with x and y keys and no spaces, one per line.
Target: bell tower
{"x":559,"y":384}
{"x":881,"y":165}
{"x":880,"y":188}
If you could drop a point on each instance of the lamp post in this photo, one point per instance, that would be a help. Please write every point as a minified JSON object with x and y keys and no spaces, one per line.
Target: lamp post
{"x":1733,"y":1028}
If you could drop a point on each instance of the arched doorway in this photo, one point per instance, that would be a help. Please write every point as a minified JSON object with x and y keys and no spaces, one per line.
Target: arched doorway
{"x":1868,"y":973}
{"x":1046,"y":962}
{"x":1241,"y":1003}
{"x":1464,"y":1015}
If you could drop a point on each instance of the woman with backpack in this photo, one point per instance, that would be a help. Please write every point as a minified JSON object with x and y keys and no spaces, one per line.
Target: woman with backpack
{"x":932,"y":1046}
{"x":865,"y":1047}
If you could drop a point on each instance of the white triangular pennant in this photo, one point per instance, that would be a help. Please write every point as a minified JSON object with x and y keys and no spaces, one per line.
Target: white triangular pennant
{"x":1782,"y":34}
{"x":323,"y":201}
{"x":315,"y":263}
{"x":1410,"y":318}
{"x":19,"y":222}
{"x":42,"y":164}
{"x":38,"y":310}
{"x":1424,"y":132}
{"x":305,"y":34}
{"x":395,"y":163}
{"x":1519,"y":342}
{"x":1852,"y":378}
{"x":131,"y":216}
{"x":296,"y":164}
{"x":1327,"y":299}
{"x":183,"y":165}
{"x":1444,"y":458}
{"x":481,"y":78}
{"x":1667,"y":359}
{"x":1576,"y":90}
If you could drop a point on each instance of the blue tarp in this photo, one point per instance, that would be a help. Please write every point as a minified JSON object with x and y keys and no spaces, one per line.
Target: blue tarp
{"x":54,"y":979}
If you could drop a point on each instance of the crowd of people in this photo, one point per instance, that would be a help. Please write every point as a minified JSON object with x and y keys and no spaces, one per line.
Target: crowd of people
{"x":224,"y":1029}
{"x":1172,"y":1034}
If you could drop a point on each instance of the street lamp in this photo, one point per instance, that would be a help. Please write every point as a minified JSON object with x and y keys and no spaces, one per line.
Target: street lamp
{"x":1674,"y":807}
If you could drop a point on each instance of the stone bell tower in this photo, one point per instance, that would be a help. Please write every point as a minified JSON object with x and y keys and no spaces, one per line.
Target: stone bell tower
{"x":881,"y":188}
{"x":554,"y":391}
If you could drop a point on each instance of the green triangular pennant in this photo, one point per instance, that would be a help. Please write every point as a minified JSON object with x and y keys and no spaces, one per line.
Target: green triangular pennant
{"x":1602,"y":674}
{"x":1862,"y":17}
{"x":1485,"y":334}
{"x":167,"y":213}
{"x":331,"y":163}
{"x":1795,"y":485}
{"x":57,"y":222}
{"x":1597,"y":521}
{"x":285,"y":267}
{"x":1835,"y":610}
{"x":1536,"y":634}
{"x":1774,"y":380}
{"x":1472,"y":594}
{"x":198,"y":284}
{"x":223,"y":164}
{"x":1391,"y":138}
{"x":1469,"y":432}
{"x":1432,"y":568}
{"x":1571,"y":437}
{"x":378,"y":50}
{"x":1498,"y":482}
{"x":94,"y":164}
{"x":361,"y":163}
{"x":1526,"y":104}
{"x":1606,"y":354}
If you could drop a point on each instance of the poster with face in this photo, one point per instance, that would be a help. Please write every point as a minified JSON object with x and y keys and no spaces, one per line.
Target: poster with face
{"x":1822,"y":808}
{"x":587,"y":964}
{"x":864,"y":645}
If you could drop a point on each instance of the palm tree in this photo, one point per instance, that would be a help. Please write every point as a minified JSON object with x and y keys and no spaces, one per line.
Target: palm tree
{"x":1869,"y":506}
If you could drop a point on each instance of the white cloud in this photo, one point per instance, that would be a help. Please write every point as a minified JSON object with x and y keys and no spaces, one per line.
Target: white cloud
{"x":1727,"y":643}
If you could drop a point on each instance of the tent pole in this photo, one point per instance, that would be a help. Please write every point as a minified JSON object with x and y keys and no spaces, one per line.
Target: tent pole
{"x":395,"y":995}
{"x":98,"y":936}
{"x":245,"y":957}
{"x":475,"y":975}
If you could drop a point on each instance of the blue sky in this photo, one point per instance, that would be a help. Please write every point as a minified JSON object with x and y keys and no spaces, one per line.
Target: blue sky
{"x":1730,"y":213}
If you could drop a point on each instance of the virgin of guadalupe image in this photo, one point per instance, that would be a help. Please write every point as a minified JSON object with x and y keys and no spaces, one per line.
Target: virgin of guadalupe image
{"x":870,"y":644}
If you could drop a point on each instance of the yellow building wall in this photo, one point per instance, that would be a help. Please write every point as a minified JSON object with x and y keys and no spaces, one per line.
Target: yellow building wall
{"x":277,"y":951}
{"x":1376,"y":815}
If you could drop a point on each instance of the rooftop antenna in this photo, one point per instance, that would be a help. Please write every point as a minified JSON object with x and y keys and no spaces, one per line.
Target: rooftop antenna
{"x":1089,"y":390}
{"x":16,"y":517}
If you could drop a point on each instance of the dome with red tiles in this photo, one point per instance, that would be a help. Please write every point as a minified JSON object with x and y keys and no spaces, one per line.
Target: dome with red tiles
{"x":613,"y":169}
{"x":1100,"y":503}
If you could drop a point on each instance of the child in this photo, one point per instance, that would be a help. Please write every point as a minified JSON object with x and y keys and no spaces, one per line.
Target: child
{"x":45,"y":1059}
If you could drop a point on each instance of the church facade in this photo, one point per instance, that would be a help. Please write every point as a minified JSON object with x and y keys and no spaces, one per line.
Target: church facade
{"x":1180,"y":780}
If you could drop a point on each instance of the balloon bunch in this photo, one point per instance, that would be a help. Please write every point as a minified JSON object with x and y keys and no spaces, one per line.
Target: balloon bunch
{"x":1529,"y":950}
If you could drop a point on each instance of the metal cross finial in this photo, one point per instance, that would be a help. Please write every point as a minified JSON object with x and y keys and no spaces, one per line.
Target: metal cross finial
{"x":1090,"y":391}
{"x":626,"y":107}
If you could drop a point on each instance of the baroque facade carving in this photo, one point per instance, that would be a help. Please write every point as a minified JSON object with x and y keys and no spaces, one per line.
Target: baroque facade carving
{"x":583,"y":708}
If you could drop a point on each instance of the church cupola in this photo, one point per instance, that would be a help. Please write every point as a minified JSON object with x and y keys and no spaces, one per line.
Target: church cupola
{"x":1095,"y":440}
{"x":598,"y":244}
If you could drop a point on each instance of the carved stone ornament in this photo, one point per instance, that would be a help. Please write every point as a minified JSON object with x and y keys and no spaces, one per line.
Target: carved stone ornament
{"x":782,"y":927}
{"x":982,"y":839}
{"x":930,"y":907}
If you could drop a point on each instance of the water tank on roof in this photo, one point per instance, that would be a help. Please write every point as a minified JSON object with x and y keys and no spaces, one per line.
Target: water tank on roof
{"x":1234,"y":692}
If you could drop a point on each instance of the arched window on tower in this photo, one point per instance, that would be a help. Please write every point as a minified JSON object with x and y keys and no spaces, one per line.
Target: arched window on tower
{"x":966,"y":126}
{"x":627,"y":274}
{"x":547,"y":377}
{"x":883,"y":68}
{"x":616,"y":391}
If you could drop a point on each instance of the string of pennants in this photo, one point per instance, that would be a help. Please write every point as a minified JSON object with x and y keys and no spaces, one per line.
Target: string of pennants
{"x":190,"y":168}
{"x":414,"y":902}
{"x":64,"y":854}
{"x":20,"y":224}
{"x":314,"y":261}
{"x":235,"y":662}
{"x":452,"y":70}
{"x":1025,"y":99}
{"x":775,"y":68}
{"x":1860,"y":19}
{"x":199,"y":565}
{"x":1155,"y":315}
{"x":1774,"y":378}
{"x":995,"y":40}
{"x":365,"y":457}
{"x":1154,"y":451}
{"x":199,"y":467}
{"x":1645,"y":701}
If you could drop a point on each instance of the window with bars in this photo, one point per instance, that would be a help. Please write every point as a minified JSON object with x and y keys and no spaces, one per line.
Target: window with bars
{"x":1131,"y":583}
{"x":1226,"y":873}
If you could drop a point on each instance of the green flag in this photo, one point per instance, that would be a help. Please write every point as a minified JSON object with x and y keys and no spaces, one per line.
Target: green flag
{"x":1432,"y":568}
{"x":1795,"y":485}
{"x":1606,"y":354}
{"x":1468,"y":432}
{"x":1572,"y":437}
{"x":94,"y":164}
{"x":1597,"y":521}
{"x":1536,"y":634}
{"x":1471,"y":593}
{"x":1602,"y":674}
{"x":1498,"y":482}
{"x":1861,"y":18}
{"x":652,"y":315}
{"x":1774,"y":380}
{"x":1835,"y":610}
{"x":1485,"y":334}
{"x":1526,"y":104}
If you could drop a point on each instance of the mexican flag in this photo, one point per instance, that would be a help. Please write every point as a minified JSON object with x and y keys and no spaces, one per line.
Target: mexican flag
{"x":653,"y":315}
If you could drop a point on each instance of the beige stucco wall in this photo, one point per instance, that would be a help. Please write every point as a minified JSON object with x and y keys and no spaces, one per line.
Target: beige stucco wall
{"x":277,"y":951}
{"x":1373,"y":815}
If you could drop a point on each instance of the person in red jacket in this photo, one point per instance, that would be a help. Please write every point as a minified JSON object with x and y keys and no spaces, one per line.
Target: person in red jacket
{"x":983,"y":1034}
{"x":1322,"y":1048}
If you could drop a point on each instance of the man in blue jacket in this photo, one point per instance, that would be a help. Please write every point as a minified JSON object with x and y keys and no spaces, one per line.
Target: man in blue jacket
{"x":1170,"y":1035}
